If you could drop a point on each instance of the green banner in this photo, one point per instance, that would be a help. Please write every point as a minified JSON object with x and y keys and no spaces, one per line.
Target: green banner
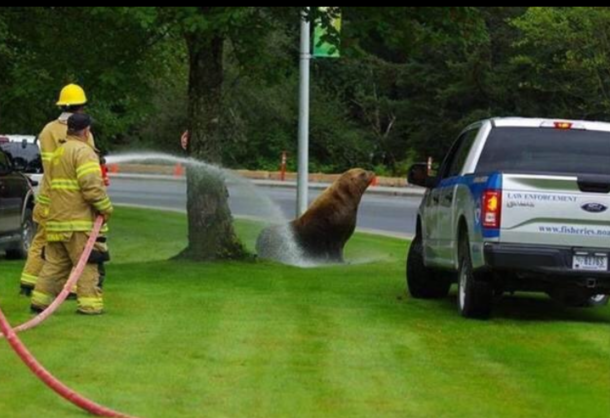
{"x":322,"y":47}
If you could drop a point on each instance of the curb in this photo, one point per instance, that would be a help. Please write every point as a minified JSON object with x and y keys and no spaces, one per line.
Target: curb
{"x":378,"y":190}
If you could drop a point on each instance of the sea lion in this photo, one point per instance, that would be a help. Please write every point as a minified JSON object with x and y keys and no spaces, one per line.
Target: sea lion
{"x":323,"y":230}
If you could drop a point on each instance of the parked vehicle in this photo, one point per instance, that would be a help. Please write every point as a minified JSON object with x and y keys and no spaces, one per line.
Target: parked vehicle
{"x":517,"y":205}
{"x":25,"y":153}
{"x":17,"y":229}
{"x":30,"y":139}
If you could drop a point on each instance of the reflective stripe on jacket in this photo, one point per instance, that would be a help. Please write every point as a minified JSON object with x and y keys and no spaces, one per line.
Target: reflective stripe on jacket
{"x":77,"y":190}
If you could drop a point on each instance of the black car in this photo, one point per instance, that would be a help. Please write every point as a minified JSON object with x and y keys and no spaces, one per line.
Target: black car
{"x":17,"y":228}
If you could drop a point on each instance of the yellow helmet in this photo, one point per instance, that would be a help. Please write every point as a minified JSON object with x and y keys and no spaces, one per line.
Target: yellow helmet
{"x":72,"y":95}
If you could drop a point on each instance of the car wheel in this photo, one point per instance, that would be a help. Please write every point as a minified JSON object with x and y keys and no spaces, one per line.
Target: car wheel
{"x":475,"y":294}
{"x":424,"y":282}
{"x":28,"y":231}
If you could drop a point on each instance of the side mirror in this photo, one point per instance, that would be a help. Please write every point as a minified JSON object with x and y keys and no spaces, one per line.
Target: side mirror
{"x":418,"y":176}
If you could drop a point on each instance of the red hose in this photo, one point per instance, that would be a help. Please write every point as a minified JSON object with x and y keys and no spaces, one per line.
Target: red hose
{"x":54,"y":384}
{"x":73,"y":279}
{"x":27,"y":357}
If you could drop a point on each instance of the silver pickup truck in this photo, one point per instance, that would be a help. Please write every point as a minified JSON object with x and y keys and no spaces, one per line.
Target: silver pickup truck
{"x":517,"y":205}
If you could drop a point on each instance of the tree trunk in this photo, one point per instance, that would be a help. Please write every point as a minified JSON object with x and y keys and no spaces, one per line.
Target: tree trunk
{"x":210,"y":224}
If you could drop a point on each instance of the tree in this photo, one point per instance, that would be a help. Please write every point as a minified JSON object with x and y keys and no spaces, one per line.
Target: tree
{"x":4,"y":50}
{"x":44,"y":48}
{"x":407,"y":78}
{"x":211,"y":232}
{"x":207,"y":31}
{"x":565,"y":54}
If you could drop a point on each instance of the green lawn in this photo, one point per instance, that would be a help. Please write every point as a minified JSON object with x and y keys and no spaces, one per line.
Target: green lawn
{"x":264,"y":340}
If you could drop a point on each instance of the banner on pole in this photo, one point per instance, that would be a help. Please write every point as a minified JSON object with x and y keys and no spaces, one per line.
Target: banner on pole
{"x":323,"y":47}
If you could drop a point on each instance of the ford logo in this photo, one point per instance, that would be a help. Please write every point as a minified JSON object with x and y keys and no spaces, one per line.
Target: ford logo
{"x":594,"y":207}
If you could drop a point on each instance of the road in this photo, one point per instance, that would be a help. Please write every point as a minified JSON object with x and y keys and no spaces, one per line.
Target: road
{"x":393,"y":215}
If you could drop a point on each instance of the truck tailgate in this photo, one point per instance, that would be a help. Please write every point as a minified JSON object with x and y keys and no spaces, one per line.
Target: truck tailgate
{"x":554,"y":210}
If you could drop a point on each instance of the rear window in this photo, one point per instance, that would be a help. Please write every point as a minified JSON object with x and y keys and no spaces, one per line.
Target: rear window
{"x":546,"y":151}
{"x":27,"y":155}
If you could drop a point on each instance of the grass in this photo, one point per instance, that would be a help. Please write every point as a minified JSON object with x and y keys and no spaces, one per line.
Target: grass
{"x":263,"y":340}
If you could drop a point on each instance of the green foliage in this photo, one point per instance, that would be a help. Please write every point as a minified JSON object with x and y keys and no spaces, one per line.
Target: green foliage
{"x":261,"y":120}
{"x":409,"y":78}
{"x":566,"y":52}
{"x":114,"y":60}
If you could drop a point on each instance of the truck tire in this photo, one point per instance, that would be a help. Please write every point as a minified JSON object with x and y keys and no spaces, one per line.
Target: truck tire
{"x":28,"y":230}
{"x":475,"y":295}
{"x":424,"y":282}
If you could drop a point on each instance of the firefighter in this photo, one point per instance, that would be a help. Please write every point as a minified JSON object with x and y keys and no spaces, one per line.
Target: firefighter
{"x":72,"y":99}
{"x":77,"y":196}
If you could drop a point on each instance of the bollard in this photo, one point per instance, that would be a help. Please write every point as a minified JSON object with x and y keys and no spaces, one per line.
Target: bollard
{"x":178,"y":170}
{"x":283,"y":166}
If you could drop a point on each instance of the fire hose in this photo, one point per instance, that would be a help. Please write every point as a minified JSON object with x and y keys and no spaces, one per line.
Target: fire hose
{"x":24,"y":354}
{"x":72,"y":280}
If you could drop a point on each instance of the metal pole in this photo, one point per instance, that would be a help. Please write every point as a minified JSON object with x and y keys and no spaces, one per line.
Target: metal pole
{"x":303,"y":176}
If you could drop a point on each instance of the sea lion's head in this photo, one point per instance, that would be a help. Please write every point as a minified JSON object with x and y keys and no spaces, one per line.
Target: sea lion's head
{"x":356,"y":181}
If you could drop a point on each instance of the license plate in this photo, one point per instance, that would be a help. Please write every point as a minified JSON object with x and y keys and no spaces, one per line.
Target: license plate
{"x":590,"y":262}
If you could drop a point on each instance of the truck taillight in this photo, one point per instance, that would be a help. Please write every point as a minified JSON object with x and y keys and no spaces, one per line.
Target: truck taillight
{"x":492,"y":209}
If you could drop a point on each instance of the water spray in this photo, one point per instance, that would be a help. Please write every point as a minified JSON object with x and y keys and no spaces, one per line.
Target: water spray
{"x":270,"y":212}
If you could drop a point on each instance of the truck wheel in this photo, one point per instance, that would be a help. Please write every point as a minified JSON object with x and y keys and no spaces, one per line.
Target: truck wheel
{"x":28,"y":230}
{"x":475,"y":296}
{"x":424,"y":282}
